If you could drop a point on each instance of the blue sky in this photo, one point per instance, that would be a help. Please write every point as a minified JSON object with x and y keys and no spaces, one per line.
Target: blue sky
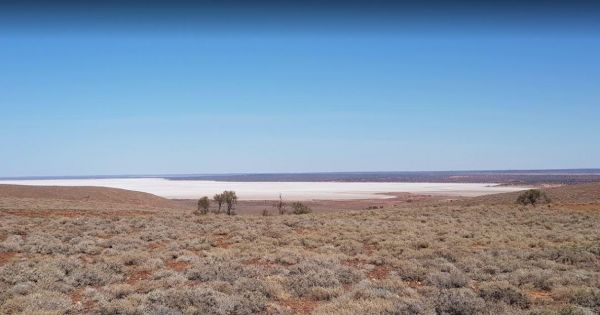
{"x":82,"y":102}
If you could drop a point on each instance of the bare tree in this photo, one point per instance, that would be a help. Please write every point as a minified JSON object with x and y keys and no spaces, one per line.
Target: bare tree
{"x":280,"y":205}
{"x":203,"y":205}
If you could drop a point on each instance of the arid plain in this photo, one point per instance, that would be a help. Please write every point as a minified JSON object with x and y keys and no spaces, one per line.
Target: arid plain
{"x":72,"y":250}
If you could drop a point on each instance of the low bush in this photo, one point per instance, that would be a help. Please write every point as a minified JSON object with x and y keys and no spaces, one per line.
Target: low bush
{"x":300,"y":208}
{"x":586,"y":297}
{"x":447,"y":280}
{"x":532,"y":197}
{"x":458,"y":302}
{"x":504,"y":292}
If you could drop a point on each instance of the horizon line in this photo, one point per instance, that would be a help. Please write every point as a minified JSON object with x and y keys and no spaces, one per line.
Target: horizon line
{"x":591,"y":170}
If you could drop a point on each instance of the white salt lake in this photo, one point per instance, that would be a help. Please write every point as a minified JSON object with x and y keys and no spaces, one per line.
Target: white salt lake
{"x":191,"y":189}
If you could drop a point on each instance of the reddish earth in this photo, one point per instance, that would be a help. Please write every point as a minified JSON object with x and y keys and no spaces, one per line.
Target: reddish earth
{"x":155,"y":245}
{"x":90,"y":194}
{"x":300,"y":306}
{"x":355,"y":263}
{"x":540,"y":295}
{"x":73,"y":213}
{"x":379,"y":273}
{"x":5,"y":257}
{"x":370,"y":248}
{"x":178,"y":265}
{"x":138,"y":276}
{"x":221,"y":243}
{"x":78,"y":298}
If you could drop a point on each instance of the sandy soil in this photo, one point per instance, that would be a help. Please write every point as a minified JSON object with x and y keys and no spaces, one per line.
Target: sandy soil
{"x":271,"y":190}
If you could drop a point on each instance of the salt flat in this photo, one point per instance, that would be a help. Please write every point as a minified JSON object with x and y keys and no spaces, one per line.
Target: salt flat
{"x":189,"y":189}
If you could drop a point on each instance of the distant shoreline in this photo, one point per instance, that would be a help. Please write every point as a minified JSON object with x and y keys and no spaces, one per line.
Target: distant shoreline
{"x":502,"y":177}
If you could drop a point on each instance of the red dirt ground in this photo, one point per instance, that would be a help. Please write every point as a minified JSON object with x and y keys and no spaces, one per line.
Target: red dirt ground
{"x":540,"y":295}
{"x":6,"y":257}
{"x":138,"y":276}
{"x":178,"y":265}
{"x":300,"y":306}
{"x":379,"y":273}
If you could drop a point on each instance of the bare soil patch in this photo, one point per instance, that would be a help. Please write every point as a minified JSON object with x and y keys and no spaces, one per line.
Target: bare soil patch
{"x":6,"y":257}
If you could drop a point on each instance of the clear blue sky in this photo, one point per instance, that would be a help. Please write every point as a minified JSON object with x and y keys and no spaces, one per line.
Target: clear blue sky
{"x":82,"y":99}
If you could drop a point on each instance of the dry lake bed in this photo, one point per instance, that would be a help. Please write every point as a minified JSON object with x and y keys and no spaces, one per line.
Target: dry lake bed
{"x":190,"y":189}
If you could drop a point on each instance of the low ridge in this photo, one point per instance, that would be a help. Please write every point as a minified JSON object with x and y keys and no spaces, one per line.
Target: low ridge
{"x":86,"y":193}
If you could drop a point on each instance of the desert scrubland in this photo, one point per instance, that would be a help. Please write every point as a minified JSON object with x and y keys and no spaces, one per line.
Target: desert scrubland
{"x":472,"y":256}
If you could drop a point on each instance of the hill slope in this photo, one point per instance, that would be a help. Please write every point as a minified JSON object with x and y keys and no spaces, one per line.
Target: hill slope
{"x":86,"y":194}
{"x":570,"y":194}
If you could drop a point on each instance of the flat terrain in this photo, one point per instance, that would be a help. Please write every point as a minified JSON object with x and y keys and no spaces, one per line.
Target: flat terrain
{"x":194,"y":189}
{"x":508,"y":177}
{"x":427,"y":256}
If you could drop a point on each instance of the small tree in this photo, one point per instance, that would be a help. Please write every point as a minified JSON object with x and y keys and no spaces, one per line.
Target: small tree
{"x":230,"y":198}
{"x":219,"y":199}
{"x":300,"y":208}
{"x":280,"y":205}
{"x":203,"y":205}
{"x":532,"y":197}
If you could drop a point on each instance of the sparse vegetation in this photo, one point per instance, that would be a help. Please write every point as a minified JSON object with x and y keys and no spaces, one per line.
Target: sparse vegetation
{"x":532,"y":197}
{"x":300,"y":208}
{"x":203,"y":205}
{"x":230,"y":199}
{"x":280,"y":206}
{"x":417,"y":258}
{"x":219,"y":199}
